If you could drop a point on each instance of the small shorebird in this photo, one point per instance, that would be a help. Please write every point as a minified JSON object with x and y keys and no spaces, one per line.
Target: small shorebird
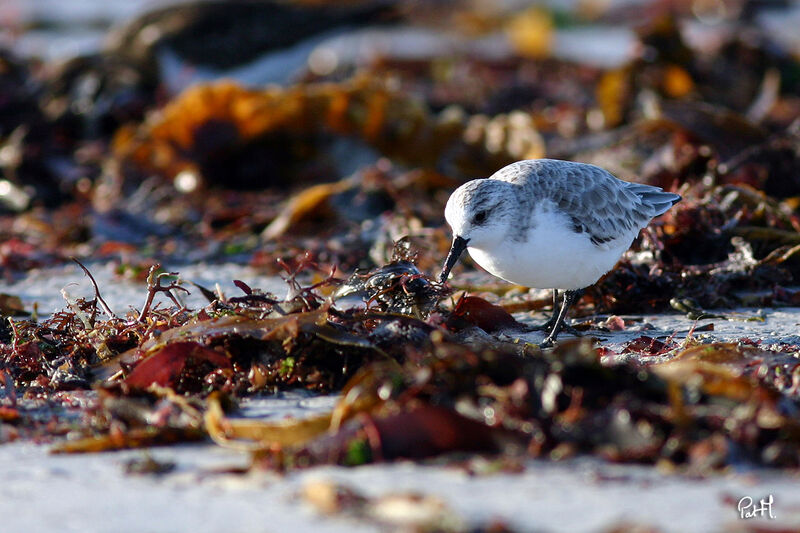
{"x":550,"y":224}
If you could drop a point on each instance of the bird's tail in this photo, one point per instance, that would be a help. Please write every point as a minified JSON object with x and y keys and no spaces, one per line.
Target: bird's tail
{"x":654,"y":197}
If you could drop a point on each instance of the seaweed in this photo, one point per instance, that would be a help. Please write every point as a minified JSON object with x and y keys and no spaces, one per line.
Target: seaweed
{"x":225,"y":133}
{"x":498,"y":398}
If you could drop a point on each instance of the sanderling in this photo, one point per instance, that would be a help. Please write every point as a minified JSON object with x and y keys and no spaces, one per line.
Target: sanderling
{"x":550,"y":224}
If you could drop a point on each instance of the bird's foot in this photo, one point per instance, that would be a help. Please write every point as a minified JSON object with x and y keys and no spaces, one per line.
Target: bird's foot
{"x":556,"y":324}
{"x":550,"y":339}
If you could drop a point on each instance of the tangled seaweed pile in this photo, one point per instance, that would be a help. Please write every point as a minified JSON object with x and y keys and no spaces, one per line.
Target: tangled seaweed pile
{"x":417,"y":380}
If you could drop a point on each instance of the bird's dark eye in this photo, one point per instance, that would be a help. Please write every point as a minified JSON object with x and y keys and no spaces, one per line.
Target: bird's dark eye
{"x":480,"y":217}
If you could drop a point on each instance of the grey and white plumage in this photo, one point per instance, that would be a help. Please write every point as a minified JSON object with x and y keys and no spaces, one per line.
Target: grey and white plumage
{"x":552,"y":224}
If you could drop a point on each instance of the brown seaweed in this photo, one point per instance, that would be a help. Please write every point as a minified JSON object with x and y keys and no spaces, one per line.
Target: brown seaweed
{"x":485,"y":400}
{"x":197,"y":133}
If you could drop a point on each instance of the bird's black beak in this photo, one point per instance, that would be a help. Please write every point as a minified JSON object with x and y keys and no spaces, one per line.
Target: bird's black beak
{"x":456,"y":249}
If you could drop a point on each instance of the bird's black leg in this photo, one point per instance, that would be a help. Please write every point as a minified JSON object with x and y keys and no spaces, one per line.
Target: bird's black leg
{"x":570,"y":297}
{"x":552,"y":320}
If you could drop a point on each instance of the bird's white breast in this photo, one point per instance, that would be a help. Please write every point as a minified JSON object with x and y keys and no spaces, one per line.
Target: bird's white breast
{"x":553,"y":256}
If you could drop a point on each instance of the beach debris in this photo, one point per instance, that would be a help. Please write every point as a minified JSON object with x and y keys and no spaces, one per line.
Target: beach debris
{"x":468,"y":400}
{"x":395,"y":509}
{"x":224,"y":133}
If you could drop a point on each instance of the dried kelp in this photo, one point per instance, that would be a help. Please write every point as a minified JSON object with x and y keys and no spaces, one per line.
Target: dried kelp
{"x":561,"y":403}
{"x":299,"y":341}
{"x":212,"y":131}
{"x":417,"y":381}
{"x":116,"y":422}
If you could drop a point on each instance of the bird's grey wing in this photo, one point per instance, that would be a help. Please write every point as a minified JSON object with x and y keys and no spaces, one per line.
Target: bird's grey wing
{"x":599,"y":204}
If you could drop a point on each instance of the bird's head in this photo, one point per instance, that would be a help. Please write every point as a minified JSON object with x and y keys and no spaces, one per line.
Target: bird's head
{"x":480,"y":213}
